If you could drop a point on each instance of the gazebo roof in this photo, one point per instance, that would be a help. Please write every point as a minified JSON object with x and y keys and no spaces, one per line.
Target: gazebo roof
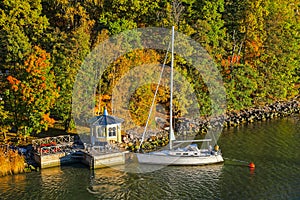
{"x":105,"y":119}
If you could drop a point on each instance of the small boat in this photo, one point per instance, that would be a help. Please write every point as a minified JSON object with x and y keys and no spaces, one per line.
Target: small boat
{"x":189,"y":155}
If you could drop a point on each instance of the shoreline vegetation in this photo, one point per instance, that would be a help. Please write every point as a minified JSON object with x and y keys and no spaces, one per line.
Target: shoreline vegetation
{"x":46,"y":44}
{"x":13,"y":162}
{"x":230,"y":119}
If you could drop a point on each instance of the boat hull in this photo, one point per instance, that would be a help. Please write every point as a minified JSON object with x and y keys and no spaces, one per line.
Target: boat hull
{"x":160,"y":159}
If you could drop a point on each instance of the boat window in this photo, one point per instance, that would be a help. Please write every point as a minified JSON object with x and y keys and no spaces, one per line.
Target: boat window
{"x":185,"y":154}
{"x":178,"y":154}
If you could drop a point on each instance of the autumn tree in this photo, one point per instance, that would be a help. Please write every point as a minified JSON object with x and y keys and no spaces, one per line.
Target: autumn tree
{"x":68,"y":42}
{"x":31,"y":93}
{"x":277,"y":71}
{"x":244,"y":21}
{"x":21,"y":27}
{"x":43,"y":43}
{"x":4,"y":119}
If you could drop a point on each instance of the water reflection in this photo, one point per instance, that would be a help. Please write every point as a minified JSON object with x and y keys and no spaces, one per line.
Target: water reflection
{"x":106,"y":180}
{"x":199,"y":182}
{"x":172,"y":182}
{"x":10,"y":183}
{"x":273,"y":146}
{"x":275,"y":151}
{"x":132,"y":165}
{"x":53,"y":182}
{"x":50,"y":176}
{"x":65,"y":182}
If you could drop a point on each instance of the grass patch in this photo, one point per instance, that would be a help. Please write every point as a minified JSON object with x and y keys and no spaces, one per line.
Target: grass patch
{"x":11,"y":162}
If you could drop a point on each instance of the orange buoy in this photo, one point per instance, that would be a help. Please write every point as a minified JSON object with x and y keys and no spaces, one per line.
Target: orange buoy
{"x":251,"y":165}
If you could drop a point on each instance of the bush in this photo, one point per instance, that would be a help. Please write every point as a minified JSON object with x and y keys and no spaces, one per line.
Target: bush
{"x":11,"y":162}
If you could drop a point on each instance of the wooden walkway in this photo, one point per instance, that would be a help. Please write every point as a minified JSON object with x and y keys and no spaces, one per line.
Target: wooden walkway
{"x":55,"y":151}
{"x":53,"y":145}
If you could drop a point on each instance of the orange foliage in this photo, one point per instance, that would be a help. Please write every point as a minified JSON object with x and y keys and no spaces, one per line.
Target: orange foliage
{"x":13,"y":80}
{"x":15,"y":88}
{"x":35,"y":64}
{"x":254,"y":46}
{"x":105,"y":97}
{"x":224,"y":63}
{"x":234,"y":59}
{"x":230,"y":60}
{"x":47,"y":118}
{"x":10,"y":80}
{"x":43,"y":85}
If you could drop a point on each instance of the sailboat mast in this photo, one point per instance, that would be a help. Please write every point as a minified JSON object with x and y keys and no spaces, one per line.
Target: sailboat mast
{"x":171,"y":137}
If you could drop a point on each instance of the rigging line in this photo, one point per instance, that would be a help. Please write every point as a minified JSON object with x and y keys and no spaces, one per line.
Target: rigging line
{"x":214,"y":138}
{"x":99,"y":88}
{"x":172,"y":137}
{"x":153,"y":101}
{"x":211,"y":131}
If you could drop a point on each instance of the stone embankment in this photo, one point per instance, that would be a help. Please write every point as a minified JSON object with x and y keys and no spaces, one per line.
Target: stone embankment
{"x":193,"y":127}
{"x":236,"y":118}
{"x":278,"y":109}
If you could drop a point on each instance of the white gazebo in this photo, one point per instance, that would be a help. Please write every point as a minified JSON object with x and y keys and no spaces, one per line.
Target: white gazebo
{"x":105,"y":128}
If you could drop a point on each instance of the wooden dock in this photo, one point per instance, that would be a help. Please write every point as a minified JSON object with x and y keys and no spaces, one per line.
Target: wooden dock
{"x":57,"y":151}
{"x":53,"y":160}
{"x":101,"y":160}
{"x":92,"y":160}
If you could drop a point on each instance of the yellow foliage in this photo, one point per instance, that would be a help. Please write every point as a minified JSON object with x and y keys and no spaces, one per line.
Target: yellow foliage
{"x":11,"y":162}
{"x":15,"y":88}
{"x":47,"y":118}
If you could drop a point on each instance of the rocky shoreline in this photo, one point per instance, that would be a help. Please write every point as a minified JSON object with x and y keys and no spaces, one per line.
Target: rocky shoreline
{"x":184,"y":126}
{"x":236,"y":118}
{"x":188,"y":127}
{"x":278,"y":109}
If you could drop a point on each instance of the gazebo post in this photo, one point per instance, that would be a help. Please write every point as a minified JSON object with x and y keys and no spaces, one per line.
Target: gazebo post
{"x":91,"y":135}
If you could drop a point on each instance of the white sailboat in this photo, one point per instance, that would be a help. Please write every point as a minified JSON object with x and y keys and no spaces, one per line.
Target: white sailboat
{"x":189,"y":155}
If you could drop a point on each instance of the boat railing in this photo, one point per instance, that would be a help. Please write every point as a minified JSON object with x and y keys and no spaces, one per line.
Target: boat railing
{"x":190,"y":141}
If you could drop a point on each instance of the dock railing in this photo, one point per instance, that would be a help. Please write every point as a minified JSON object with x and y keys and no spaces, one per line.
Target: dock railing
{"x":102,"y":149}
{"x":53,"y":145}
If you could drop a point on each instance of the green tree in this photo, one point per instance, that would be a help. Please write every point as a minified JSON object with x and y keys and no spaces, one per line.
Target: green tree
{"x":277,"y":80}
{"x":68,"y":54}
{"x":31,"y":93}
{"x":21,"y":28}
{"x":68,"y":41}
{"x":209,"y":25}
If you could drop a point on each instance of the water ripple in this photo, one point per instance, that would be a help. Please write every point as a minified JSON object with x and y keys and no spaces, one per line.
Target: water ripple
{"x":273,"y":146}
